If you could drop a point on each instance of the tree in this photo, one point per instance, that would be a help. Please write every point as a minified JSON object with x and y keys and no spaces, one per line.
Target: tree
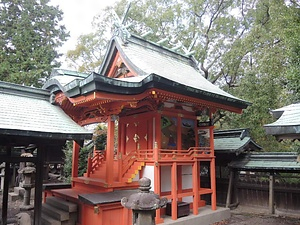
{"x":267,"y":80}
{"x":30,"y":33}
{"x":248,"y":48}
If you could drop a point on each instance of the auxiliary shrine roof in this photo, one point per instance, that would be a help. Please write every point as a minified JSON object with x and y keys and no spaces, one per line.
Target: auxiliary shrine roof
{"x":287,"y":125}
{"x":270,"y":161}
{"x":27,"y":111}
{"x":234,"y":141}
{"x":139,"y":66}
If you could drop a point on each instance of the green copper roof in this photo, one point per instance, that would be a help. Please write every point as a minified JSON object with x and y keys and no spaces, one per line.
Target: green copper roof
{"x":234,"y":141}
{"x":276,"y":161}
{"x":26,"y":111}
{"x":287,"y":125}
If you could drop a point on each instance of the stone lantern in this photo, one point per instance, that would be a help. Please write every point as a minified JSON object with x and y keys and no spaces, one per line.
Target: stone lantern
{"x":28,"y":183}
{"x":144,"y":204}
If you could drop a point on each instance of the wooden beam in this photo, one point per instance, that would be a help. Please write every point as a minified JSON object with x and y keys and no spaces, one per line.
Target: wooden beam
{"x":75,"y":158}
{"x":213,"y":184}
{"x":110,"y":150}
{"x":38,"y":194}
{"x":271,"y":193}
{"x":174,"y":190}
{"x":196,"y":178}
{"x":5,"y":190}
{"x":229,"y":190}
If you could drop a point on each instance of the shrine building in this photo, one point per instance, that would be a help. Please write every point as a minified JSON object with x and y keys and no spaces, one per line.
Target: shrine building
{"x":158,"y":109}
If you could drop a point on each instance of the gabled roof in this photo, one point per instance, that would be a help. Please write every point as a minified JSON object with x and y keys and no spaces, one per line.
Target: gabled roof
{"x":26,"y":111}
{"x":177,"y":72}
{"x":234,"y":141}
{"x":287,"y":125}
{"x":269,"y":161}
{"x":154,"y":67}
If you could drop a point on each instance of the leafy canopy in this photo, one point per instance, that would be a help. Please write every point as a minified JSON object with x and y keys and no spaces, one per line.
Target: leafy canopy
{"x":30,"y":33}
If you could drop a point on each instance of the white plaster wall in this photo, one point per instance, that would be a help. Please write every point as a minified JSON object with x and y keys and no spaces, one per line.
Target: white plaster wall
{"x":165,"y":178}
{"x":187,"y":178}
{"x":188,"y":199}
{"x":149,"y":173}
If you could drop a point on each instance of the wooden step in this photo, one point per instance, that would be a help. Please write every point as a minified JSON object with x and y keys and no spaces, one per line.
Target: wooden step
{"x":48,"y":220}
{"x":55,"y":213}
{"x":61,"y":204}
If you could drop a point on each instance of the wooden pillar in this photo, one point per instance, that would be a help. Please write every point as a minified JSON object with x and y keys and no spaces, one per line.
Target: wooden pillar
{"x":174,"y":190}
{"x":121,"y":147}
{"x":157,"y":167}
{"x":6,"y":187}
{"x":39,"y":185}
{"x":213,"y":184}
{"x":235,"y":187}
{"x":179,"y":141}
{"x":75,"y":158}
{"x":110,"y":150}
{"x":229,"y":191}
{"x":271,"y":193}
{"x":179,"y":181}
{"x":157,"y":190}
{"x":196,"y":178}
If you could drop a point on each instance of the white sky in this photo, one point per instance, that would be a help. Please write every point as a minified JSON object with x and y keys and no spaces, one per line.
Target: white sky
{"x":78,"y":16}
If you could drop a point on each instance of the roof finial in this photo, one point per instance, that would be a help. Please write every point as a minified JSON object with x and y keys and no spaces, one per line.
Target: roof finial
{"x":120,"y":24}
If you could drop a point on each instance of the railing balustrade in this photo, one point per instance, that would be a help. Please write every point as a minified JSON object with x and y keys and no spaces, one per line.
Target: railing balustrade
{"x":150,"y":155}
{"x":94,"y":161}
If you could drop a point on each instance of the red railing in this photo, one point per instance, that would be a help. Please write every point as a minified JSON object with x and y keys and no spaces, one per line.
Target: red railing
{"x":128,"y":161}
{"x":171,"y":154}
{"x":95,"y":161}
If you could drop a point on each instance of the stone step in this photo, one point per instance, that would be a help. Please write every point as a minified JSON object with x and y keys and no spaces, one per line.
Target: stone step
{"x":48,"y":220}
{"x":61,"y":204}
{"x":19,"y":190}
{"x":56,"y":213}
{"x":12,"y":196}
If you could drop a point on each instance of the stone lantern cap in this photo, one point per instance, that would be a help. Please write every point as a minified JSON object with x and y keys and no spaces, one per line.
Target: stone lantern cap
{"x":27,"y":170}
{"x":144,"y":199}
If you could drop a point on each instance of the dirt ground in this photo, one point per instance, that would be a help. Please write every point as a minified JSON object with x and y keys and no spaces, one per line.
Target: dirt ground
{"x":239,"y":216}
{"x":260,"y":216}
{"x":253,"y":219}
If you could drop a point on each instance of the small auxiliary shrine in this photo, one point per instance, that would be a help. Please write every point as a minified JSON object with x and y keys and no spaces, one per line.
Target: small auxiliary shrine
{"x":158,"y":109}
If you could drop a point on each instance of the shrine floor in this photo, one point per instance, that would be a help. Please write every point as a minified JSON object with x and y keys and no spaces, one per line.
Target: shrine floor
{"x":206,"y":216}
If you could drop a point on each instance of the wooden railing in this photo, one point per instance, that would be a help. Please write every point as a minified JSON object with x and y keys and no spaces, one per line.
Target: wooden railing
{"x":150,"y":155}
{"x":94,"y":161}
{"x":171,"y":154}
{"x":128,"y":161}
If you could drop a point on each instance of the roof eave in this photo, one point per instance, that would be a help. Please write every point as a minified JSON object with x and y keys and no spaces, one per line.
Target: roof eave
{"x":48,"y":135}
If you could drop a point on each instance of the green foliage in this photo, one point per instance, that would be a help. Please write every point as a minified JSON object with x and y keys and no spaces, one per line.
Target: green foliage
{"x":100,"y":135}
{"x":68,"y":150}
{"x":30,"y":33}
{"x":82,"y":161}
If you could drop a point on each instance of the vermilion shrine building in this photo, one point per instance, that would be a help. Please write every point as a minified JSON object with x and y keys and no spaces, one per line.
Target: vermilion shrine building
{"x":158,"y":109}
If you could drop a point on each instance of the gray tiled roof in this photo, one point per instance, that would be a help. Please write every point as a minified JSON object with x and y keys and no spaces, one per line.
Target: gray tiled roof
{"x":148,"y":59}
{"x":288,"y":124}
{"x":27,"y":111}
{"x":234,"y":141}
{"x":232,"y":144}
{"x":277,"y":161}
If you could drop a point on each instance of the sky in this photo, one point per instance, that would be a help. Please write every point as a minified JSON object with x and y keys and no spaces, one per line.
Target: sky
{"x":78,"y":16}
